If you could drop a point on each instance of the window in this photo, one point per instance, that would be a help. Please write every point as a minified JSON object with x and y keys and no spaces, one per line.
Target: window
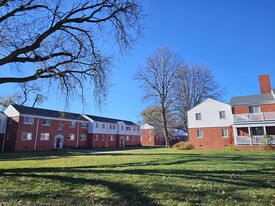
{"x":83,"y":137}
{"x":28,"y":120}
{"x":257,"y":131}
{"x":128,"y":128}
{"x":26,"y":136}
{"x":59,"y":126}
{"x":127,"y":138}
{"x":198,"y":116}
{"x":122,"y":127}
{"x":254,"y":109}
{"x":83,"y":125}
{"x":149,"y":138}
{"x":71,"y":137}
{"x":199,"y":133}
{"x":222,"y":114}
{"x":111,"y":138}
{"x":112,"y":126}
{"x":71,"y":124}
{"x":102,"y":137}
{"x":44,"y":136}
{"x":224,"y":132}
{"x":103,"y":126}
{"x":8,"y":137}
{"x":96,"y":125}
{"x":46,"y":122}
{"x":96,"y":137}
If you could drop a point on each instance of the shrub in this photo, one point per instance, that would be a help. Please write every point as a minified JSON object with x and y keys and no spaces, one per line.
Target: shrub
{"x":230,"y":148}
{"x":183,"y":146}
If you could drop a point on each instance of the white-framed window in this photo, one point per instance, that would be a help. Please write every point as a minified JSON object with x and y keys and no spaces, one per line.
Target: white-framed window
{"x":102,"y":137}
{"x":128,"y":128}
{"x":103,"y":126}
{"x":222,"y":114}
{"x":111,"y":138}
{"x":83,"y":125}
{"x":199,"y":133}
{"x":224,"y":132}
{"x":59,"y":126}
{"x":26,"y":136}
{"x":122,"y":128}
{"x":149,"y":130}
{"x":149,"y":138}
{"x":96,"y":137}
{"x":112,"y":126}
{"x":198,"y":116}
{"x":71,"y":137}
{"x":46,"y":122}
{"x":83,"y":137}
{"x":45,"y":136}
{"x":28,"y":120}
{"x":8,"y":137}
{"x":71,"y":124}
{"x":127,"y":138}
{"x":96,"y":125}
{"x":254,"y":109}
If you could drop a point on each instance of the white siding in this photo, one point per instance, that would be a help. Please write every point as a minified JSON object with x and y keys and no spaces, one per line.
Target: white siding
{"x":146,"y":126}
{"x":209,"y":110}
{"x":10,"y":111}
{"x":3,"y":123}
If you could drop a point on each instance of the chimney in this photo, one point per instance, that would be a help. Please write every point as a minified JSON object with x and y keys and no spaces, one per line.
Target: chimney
{"x":264,"y":82}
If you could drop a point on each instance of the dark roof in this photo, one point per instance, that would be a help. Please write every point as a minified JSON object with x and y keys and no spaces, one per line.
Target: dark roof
{"x":48,"y":113}
{"x":110,"y":120}
{"x":253,"y":99}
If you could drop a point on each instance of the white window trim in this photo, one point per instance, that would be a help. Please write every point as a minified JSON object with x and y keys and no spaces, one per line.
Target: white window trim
{"x":83,"y":135}
{"x":26,"y":133}
{"x":198,"y":133}
{"x":31,"y":122}
{"x":199,"y":115}
{"x":46,"y":134}
{"x":226,"y":133}
{"x":46,"y":122}
{"x":71,"y":135}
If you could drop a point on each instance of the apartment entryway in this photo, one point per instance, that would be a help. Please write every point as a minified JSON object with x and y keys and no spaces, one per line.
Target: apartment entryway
{"x":58,"y":141}
{"x":121,"y":141}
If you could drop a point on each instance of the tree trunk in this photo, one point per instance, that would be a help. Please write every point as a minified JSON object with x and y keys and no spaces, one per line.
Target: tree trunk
{"x":165,"y":129}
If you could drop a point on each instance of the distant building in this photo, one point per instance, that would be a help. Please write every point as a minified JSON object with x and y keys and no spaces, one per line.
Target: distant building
{"x":150,"y":135}
{"x":35,"y":129}
{"x":247,"y":122}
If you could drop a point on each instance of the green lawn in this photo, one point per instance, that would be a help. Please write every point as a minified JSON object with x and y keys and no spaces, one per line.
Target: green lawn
{"x":153,"y":176}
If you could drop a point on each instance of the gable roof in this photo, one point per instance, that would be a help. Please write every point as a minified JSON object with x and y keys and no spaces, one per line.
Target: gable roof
{"x":47,"y":113}
{"x":253,"y":99}
{"x":110,"y":120}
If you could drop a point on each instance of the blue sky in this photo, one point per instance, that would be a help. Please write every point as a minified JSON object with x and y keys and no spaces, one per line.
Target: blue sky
{"x":233,"y":38}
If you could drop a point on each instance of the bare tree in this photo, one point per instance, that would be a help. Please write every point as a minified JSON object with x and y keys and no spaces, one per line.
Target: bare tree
{"x":27,"y":90}
{"x":193,"y":85}
{"x":60,"y":41}
{"x":157,"y":80}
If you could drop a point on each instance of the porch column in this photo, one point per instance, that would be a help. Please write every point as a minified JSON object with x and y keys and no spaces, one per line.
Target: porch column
{"x":249,"y":132}
{"x":235,"y":134}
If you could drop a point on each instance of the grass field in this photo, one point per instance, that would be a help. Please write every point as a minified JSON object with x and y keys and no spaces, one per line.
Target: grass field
{"x":153,"y":176}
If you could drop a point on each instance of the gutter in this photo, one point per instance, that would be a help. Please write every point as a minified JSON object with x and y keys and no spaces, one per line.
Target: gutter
{"x":36,"y":134}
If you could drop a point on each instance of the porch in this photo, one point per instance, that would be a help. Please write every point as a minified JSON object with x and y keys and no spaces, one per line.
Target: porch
{"x":254,"y":117}
{"x":255,"y":140}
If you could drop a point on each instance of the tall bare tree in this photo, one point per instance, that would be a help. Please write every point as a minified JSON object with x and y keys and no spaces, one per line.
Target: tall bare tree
{"x":157,"y":80}
{"x":61,"y":41}
{"x":193,"y":85}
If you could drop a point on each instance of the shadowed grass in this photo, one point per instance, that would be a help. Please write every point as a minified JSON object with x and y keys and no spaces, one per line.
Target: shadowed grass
{"x":152,"y":176}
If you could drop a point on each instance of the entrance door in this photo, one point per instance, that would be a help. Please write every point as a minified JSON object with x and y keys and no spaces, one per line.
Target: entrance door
{"x":121,"y":141}
{"x":58,"y":141}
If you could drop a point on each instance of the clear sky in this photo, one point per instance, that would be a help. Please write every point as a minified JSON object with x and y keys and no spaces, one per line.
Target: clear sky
{"x":233,"y":38}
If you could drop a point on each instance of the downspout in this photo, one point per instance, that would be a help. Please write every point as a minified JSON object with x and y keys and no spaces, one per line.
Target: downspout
{"x":36,"y":134}
{"x":77,"y":136}
{"x":5,"y":133}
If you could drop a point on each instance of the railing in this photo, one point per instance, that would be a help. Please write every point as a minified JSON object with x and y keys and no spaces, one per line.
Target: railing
{"x":254,"y":117}
{"x":255,"y":140}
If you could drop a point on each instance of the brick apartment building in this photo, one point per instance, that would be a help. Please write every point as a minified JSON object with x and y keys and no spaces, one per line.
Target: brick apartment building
{"x":247,"y":122}
{"x":35,"y":129}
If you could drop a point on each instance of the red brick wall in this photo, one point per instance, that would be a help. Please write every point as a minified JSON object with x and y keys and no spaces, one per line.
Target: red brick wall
{"x":100,"y":143}
{"x":145,"y":133}
{"x":12,"y":133}
{"x":212,"y":138}
{"x":267,"y":108}
{"x":240,"y":110}
{"x":1,"y":141}
{"x":16,"y":130}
